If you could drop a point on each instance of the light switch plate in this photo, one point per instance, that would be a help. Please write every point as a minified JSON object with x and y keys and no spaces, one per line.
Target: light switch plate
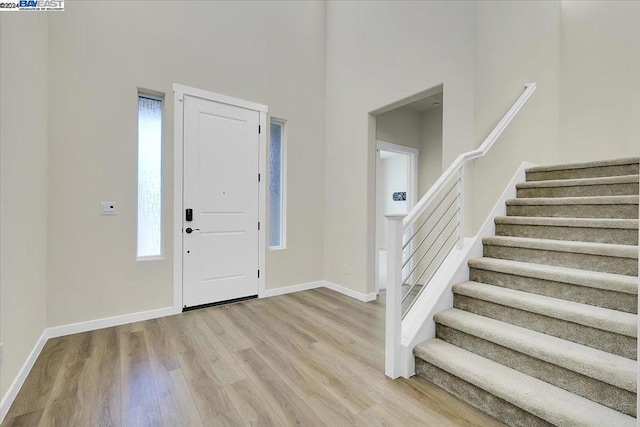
{"x":108,"y":208}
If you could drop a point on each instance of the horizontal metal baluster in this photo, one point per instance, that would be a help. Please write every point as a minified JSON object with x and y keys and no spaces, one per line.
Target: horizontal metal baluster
{"x":431,"y":214}
{"x":430,"y":262}
{"x":429,"y":233}
{"x":431,"y":277}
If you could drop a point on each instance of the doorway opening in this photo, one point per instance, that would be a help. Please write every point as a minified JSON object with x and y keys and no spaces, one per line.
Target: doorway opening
{"x":408,"y":161}
{"x":396,"y":188}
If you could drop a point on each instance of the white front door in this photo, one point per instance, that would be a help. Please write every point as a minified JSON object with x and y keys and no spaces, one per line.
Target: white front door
{"x":220,"y":186}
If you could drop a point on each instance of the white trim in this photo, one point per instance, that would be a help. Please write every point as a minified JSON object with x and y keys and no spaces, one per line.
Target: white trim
{"x":16,"y":385}
{"x":412,"y":189}
{"x":293,"y":288}
{"x":350,"y":292}
{"x":223,"y":99}
{"x":108,"y":322}
{"x":320,"y":284}
{"x":178,"y":168}
{"x":262,"y":204}
{"x":413,"y":154}
{"x":178,"y":117}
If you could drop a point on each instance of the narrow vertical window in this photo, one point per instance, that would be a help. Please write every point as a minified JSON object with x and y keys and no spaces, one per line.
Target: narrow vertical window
{"x":149,"y":176}
{"x":276,"y":185}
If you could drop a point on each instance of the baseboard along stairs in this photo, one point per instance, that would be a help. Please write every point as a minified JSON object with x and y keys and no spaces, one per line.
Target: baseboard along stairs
{"x":545,"y":331}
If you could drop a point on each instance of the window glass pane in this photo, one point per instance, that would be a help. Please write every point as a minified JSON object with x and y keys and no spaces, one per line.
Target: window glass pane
{"x":149,"y":177}
{"x":275,"y":185}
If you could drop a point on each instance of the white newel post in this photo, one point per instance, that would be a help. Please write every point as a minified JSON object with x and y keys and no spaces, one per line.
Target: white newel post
{"x":394,"y":295}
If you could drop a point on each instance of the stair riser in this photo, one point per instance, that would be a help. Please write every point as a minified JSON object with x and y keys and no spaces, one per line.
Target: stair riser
{"x":583,"y":294}
{"x":607,"y":264}
{"x":486,"y":402}
{"x":575,"y":211}
{"x":596,"y":338}
{"x":593,"y":389}
{"x":582,"y":234}
{"x":595,"y":172}
{"x":630,"y":189}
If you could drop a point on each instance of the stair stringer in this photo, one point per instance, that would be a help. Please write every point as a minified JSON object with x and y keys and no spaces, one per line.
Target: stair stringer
{"x":418,"y":325}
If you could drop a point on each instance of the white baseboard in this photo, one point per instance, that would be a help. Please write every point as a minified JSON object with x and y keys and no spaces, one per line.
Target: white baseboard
{"x":107,"y":322}
{"x":17,"y":383}
{"x":320,"y":284}
{"x":74,"y":328}
{"x":350,"y":292}
{"x":293,"y":288}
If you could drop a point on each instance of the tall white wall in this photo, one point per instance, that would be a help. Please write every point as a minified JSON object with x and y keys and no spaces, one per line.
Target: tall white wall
{"x":100,"y":53}
{"x":23,"y":188}
{"x":600,"y":84}
{"x":377,"y":54}
{"x":516,"y":43}
{"x":400,"y":126}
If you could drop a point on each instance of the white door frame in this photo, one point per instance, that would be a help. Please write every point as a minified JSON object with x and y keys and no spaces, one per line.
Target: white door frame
{"x":178,"y":209}
{"x":412,"y":187}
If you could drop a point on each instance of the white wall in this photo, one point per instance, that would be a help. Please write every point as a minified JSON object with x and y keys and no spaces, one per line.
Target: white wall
{"x":100,"y":53}
{"x":600,"y":84}
{"x":516,"y":43}
{"x":400,"y":126}
{"x":377,"y":54}
{"x":430,"y":156}
{"x":23,"y":187}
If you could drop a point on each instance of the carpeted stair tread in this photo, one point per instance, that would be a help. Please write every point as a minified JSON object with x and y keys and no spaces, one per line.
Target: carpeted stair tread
{"x":576,"y":182}
{"x":606,"y":367}
{"x":550,"y":403}
{"x":626,"y":224}
{"x":575,"y":276}
{"x":590,"y":200}
{"x":601,"y":249}
{"x":588,"y":315}
{"x":585,"y":165}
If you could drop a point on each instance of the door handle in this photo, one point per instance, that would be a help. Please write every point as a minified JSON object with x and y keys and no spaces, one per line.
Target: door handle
{"x":190,"y":230}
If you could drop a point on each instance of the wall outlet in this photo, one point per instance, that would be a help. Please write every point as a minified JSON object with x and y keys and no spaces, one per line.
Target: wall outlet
{"x":345,"y":269}
{"x":108,"y":208}
{"x":1,"y":358}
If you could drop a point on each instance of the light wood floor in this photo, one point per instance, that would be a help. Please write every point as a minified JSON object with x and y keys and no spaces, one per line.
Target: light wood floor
{"x":312,"y":358}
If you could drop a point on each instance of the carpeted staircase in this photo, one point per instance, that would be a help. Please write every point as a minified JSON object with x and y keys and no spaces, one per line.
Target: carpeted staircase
{"x":545,"y":331}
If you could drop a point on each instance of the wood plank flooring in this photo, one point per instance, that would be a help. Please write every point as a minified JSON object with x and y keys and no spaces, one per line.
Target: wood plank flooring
{"x":312,"y":358}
